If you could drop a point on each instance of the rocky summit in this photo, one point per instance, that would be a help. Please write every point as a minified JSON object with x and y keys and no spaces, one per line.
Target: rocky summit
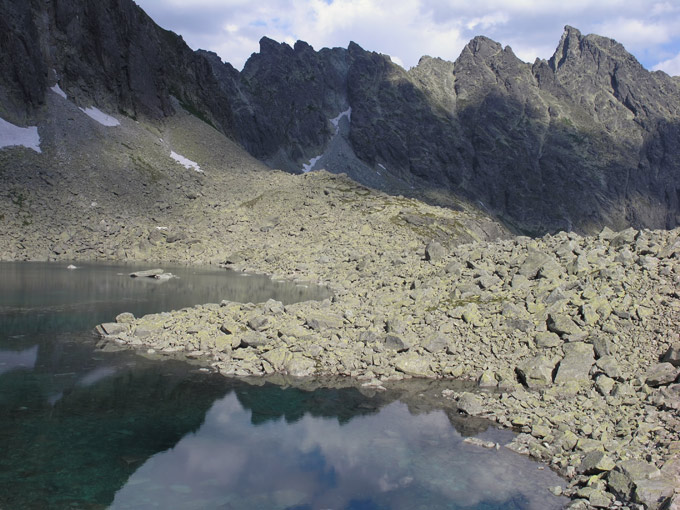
{"x":118,"y":142}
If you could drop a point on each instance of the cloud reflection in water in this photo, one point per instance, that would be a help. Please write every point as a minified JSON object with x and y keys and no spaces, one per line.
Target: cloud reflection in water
{"x":391,"y":459}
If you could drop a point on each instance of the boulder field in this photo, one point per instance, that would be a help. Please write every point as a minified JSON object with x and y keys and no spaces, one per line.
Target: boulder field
{"x":572,"y":340}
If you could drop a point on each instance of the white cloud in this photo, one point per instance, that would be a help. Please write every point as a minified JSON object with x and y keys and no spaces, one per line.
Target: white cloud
{"x":670,"y":66}
{"x":635,"y":33}
{"x":487,"y":21}
{"x":409,"y":29}
{"x":664,"y":8}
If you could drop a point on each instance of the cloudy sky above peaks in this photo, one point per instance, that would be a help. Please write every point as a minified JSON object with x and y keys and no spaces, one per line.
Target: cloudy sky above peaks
{"x":408,"y":29}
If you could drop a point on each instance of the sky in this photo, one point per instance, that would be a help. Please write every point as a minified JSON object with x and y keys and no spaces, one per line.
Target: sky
{"x":408,"y":29}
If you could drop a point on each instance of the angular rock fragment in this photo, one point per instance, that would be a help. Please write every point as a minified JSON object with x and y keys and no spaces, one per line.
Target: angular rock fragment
{"x":396,"y":343}
{"x":672,"y":355}
{"x":596,"y":462}
{"x":563,"y":325}
{"x":114,"y":328}
{"x":434,"y":251}
{"x":536,"y":372}
{"x":661,"y":374}
{"x":413,"y":364}
{"x":575,"y":366}
{"x":470,"y":404}
{"x":547,"y":339}
{"x":254,"y":339}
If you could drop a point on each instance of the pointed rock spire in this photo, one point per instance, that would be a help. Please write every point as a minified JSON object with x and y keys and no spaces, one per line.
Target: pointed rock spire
{"x":568,"y":46}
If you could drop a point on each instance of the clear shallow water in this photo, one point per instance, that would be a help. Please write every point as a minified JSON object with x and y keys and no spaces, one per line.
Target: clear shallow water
{"x":85,"y":429}
{"x":45,"y":296}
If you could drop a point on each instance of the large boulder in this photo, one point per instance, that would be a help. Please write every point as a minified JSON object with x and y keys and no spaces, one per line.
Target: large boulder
{"x":563,"y":325}
{"x":672,"y":355}
{"x":661,"y":374}
{"x":413,"y":364}
{"x":575,"y":367}
{"x":434,"y":251}
{"x":470,"y":404}
{"x":536,"y":372}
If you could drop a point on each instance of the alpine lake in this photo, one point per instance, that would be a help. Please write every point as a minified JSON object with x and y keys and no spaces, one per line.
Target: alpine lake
{"x":82,"y":428}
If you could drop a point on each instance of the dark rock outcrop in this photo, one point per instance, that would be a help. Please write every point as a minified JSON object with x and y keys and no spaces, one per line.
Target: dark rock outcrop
{"x":108,"y":53}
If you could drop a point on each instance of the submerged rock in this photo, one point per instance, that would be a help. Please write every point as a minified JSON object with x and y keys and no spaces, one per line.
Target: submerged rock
{"x":147,"y":273}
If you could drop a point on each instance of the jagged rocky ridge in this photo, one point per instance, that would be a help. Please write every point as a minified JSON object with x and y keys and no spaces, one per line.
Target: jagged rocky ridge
{"x":586,"y":139}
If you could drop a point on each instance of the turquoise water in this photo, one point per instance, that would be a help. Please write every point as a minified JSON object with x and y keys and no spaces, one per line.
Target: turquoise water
{"x":84,"y":429}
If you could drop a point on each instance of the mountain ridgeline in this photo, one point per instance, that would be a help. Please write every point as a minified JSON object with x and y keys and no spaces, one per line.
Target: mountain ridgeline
{"x":585,"y":139}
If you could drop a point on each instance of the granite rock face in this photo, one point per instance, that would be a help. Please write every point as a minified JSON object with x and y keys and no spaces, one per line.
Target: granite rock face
{"x":586,"y":139}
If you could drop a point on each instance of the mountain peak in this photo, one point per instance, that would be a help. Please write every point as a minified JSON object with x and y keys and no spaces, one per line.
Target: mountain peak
{"x":268,"y":46}
{"x":570,"y":31}
{"x":569,"y":43}
{"x":483,"y":46}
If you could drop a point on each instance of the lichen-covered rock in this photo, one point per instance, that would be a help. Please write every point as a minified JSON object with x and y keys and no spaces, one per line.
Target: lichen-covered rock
{"x":115,"y":328}
{"x":413,"y":364}
{"x":596,"y":462}
{"x":579,"y":357}
{"x":563,"y":325}
{"x":547,"y":339}
{"x":254,"y":339}
{"x":396,"y":343}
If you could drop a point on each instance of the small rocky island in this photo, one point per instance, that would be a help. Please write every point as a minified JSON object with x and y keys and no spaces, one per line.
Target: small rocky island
{"x":570,"y":336}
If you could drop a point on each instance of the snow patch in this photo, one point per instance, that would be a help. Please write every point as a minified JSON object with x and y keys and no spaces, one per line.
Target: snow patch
{"x":11,"y":135}
{"x":308,"y":167}
{"x":57,"y":90}
{"x":336,"y":121}
{"x":186,"y":163}
{"x":382,"y":166}
{"x":100,"y":116}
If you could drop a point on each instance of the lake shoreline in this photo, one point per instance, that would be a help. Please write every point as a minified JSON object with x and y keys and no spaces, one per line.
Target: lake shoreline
{"x":586,"y":302}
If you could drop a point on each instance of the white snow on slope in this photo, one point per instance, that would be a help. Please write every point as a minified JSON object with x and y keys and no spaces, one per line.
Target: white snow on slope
{"x":57,"y":90}
{"x":11,"y":135}
{"x":308,"y":167}
{"x":186,"y":163}
{"x":336,"y":121}
{"x":101,"y":117}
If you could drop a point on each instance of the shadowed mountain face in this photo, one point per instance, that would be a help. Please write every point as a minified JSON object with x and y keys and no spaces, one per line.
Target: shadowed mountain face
{"x":586,"y":139}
